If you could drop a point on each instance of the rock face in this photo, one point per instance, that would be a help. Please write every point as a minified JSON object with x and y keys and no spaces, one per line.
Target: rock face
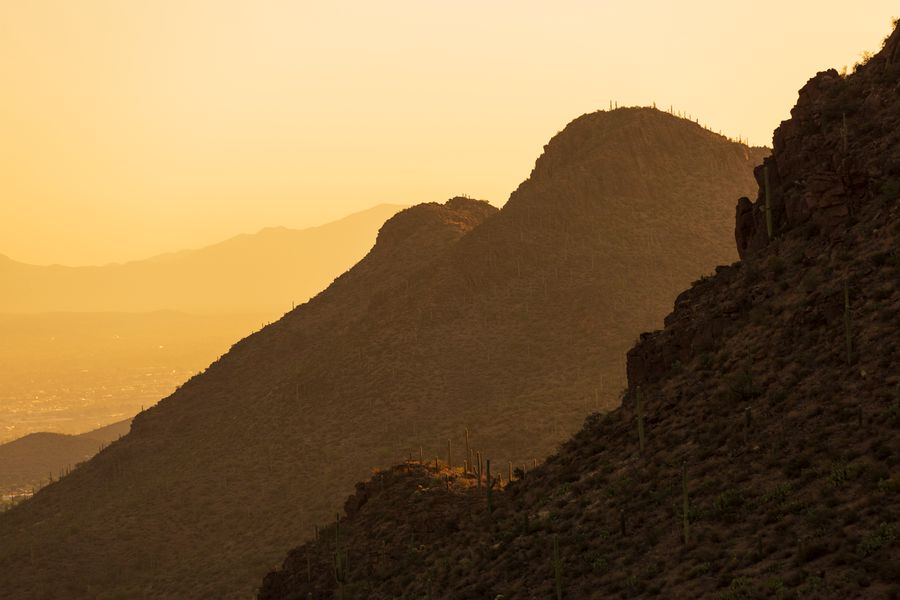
{"x":839,"y":149}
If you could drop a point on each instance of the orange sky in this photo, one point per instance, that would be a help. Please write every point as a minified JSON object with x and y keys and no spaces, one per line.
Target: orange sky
{"x":131,"y":128}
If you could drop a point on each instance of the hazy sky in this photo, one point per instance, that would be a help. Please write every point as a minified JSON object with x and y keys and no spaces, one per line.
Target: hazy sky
{"x":133,"y":127}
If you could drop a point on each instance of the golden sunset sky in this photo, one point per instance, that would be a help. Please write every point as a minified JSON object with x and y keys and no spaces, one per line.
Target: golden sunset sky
{"x":131,"y":128}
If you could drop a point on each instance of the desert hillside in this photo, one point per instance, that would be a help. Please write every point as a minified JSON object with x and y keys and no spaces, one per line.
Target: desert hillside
{"x":756,"y":453}
{"x":513,"y":323}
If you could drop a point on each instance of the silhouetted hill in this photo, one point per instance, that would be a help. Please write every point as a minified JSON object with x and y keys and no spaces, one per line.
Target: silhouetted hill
{"x":769,"y":408}
{"x":30,"y":460}
{"x":264,"y":272}
{"x":512,"y":322}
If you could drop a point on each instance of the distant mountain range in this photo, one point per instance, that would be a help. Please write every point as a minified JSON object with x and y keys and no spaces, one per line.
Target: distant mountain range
{"x":513,"y":323}
{"x":263,"y":272}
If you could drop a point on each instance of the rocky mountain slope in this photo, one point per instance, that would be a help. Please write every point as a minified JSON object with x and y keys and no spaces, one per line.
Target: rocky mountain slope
{"x":513,"y":323}
{"x":756,"y":453}
{"x":241,"y":274}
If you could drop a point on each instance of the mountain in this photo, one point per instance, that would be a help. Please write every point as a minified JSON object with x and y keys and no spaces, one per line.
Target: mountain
{"x":268,"y":271}
{"x":511,"y":322}
{"x":756,"y":452}
{"x":31,"y":460}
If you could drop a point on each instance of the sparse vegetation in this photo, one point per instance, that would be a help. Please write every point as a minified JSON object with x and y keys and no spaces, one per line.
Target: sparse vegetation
{"x":793,"y":498}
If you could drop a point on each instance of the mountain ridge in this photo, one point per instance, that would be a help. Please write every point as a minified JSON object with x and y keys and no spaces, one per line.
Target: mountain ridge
{"x":504,"y":321}
{"x":272,"y":229}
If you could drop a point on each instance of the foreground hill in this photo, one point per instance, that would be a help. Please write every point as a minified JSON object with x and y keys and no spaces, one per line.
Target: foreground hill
{"x":31,"y":460}
{"x":511,"y":322}
{"x":769,"y":408}
{"x":243,"y":274}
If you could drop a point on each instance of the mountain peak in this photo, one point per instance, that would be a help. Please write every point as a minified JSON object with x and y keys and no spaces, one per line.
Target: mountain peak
{"x":628,"y":151}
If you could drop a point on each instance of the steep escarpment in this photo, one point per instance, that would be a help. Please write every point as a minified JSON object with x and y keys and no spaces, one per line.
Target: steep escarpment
{"x":755,"y":455}
{"x":512,"y":323}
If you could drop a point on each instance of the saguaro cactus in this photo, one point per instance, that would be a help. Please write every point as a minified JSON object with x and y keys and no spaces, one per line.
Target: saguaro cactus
{"x":847,"y":332}
{"x":340,"y":560}
{"x":468,"y":453}
{"x":844,"y":136}
{"x":557,"y":568}
{"x":748,"y":424}
{"x":769,"y":227}
{"x":478,"y":470}
{"x":640,"y":419}
{"x":490,"y":487}
{"x":685,"y":504}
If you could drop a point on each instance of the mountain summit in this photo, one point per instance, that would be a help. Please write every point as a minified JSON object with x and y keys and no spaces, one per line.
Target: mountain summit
{"x":513,"y":323}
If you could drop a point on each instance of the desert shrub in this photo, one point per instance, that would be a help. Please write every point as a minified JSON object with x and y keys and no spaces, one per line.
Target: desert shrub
{"x":882,"y":537}
{"x":811,"y":281}
{"x":775,"y":265}
{"x":742,"y":388}
{"x":740,"y":587}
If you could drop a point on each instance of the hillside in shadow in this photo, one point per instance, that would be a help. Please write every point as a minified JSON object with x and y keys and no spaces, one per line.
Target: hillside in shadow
{"x":756,"y":452}
{"x":513,"y":323}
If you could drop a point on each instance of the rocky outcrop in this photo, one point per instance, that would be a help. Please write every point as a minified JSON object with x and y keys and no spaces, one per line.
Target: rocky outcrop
{"x":840,"y":148}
